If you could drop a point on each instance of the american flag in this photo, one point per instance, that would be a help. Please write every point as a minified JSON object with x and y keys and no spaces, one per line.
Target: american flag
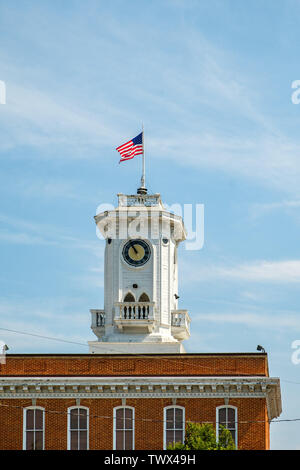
{"x":132,"y":148}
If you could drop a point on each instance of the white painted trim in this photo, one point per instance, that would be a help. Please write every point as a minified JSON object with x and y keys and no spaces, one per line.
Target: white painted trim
{"x":24,"y":423}
{"x":145,"y":387}
{"x":205,"y":379}
{"x":114,"y":424}
{"x":235,"y":421}
{"x":165,"y":421}
{"x":68,"y":424}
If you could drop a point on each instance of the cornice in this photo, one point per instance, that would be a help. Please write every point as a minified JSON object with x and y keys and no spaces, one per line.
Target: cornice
{"x":145,"y":387}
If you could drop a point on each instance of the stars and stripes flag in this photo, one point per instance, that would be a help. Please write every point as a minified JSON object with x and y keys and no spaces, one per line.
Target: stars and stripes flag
{"x":131,"y":148}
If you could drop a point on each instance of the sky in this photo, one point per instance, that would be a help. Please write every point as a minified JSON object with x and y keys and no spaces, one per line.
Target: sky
{"x":211,"y":81}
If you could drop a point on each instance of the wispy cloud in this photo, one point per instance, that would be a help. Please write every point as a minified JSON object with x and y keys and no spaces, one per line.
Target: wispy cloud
{"x":235,"y":133}
{"x":260,"y":209}
{"x":49,"y":189}
{"x":40,"y":317}
{"x":93,"y":278}
{"x":254,"y":320}
{"x":36,"y":119}
{"x":284,"y":272}
{"x":18,"y":230}
{"x":24,"y":238}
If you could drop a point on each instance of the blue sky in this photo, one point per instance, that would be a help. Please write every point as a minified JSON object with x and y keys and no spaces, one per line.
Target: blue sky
{"x":211,"y":80}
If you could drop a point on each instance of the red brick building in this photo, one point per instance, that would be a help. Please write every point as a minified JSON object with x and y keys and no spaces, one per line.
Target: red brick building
{"x":137,"y":388}
{"x":199,"y":386}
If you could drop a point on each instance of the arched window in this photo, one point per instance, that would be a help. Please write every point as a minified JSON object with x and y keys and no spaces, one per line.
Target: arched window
{"x":129,"y":311}
{"x":227,"y":417}
{"x":129,"y":297}
{"x":174,"y":424}
{"x":33,"y":428}
{"x":78,"y":428}
{"x":124,"y":428}
{"x":144,"y":298}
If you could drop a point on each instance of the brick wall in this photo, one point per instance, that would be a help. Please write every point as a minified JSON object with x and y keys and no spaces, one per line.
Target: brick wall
{"x":136,"y":365}
{"x":148,"y":434}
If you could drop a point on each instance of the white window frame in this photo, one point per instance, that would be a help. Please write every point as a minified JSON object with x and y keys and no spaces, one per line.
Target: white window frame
{"x":235,"y":421}
{"x":25,"y":422}
{"x":165,"y":422}
{"x":78,"y":407}
{"x":115,"y":425}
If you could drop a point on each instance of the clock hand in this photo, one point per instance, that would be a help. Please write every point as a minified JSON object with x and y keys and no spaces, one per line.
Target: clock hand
{"x":136,"y":252}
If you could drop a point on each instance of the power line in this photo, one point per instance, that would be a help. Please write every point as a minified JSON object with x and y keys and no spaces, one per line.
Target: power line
{"x":155,"y":420}
{"x":290,"y":382}
{"x":109,"y":417}
{"x":42,"y":336}
{"x":112,"y":349}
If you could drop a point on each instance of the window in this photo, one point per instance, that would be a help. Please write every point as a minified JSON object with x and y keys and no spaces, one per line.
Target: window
{"x":129,"y":297}
{"x":33,"y":433}
{"x":173,"y":425}
{"x":78,"y":425}
{"x":227,"y":416}
{"x":144,"y":298}
{"x":124,"y":428}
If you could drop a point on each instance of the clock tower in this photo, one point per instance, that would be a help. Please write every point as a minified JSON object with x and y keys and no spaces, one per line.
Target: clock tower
{"x":141,"y":313}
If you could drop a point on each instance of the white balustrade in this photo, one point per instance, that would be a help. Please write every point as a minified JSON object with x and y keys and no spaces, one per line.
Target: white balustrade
{"x":180,"y":322}
{"x":134,"y":310}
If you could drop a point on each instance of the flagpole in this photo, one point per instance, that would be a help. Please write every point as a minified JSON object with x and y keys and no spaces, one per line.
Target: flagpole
{"x":142,"y":189}
{"x":144,"y":176}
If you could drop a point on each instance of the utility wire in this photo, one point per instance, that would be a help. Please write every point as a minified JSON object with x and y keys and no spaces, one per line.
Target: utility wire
{"x":109,"y":417}
{"x":154,"y":420}
{"x":111,"y":349}
{"x":42,"y":336}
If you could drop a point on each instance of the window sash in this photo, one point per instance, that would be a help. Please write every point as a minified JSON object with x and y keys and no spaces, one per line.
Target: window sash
{"x":227,"y":417}
{"x":174,"y":425}
{"x":34,"y":429}
{"x":124,"y":429}
{"x":78,"y":429}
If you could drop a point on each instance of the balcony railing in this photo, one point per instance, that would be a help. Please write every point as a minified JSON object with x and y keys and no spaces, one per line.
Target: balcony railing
{"x":138,"y":317}
{"x":134,"y":315}
{"x":98,"y":322}
{"x":180,"y":324}
{"x":135,"y":310}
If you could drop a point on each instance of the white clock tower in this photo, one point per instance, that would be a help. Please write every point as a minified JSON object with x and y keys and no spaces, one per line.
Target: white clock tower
{"x":140,"y":312}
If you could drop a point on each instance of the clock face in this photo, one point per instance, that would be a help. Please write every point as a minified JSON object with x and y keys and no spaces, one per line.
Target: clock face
{"x":136,"y":252}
